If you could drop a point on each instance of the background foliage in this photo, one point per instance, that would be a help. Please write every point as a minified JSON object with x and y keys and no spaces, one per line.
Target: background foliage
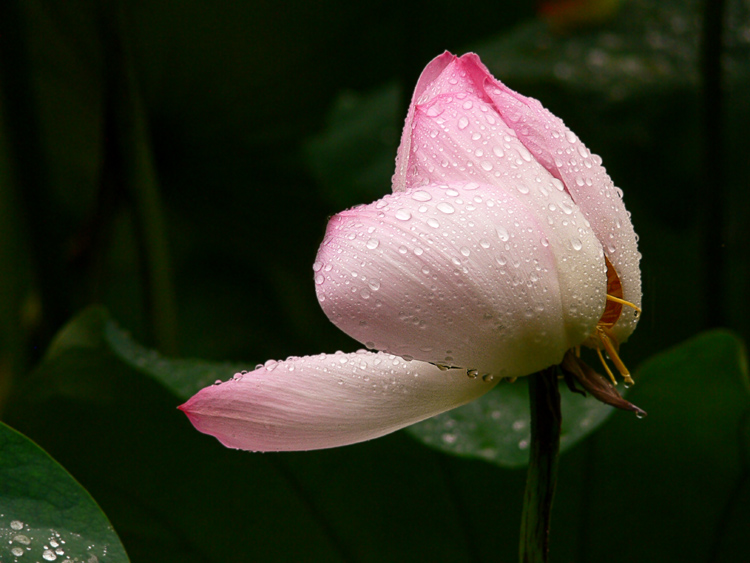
{"x":176,"y":163}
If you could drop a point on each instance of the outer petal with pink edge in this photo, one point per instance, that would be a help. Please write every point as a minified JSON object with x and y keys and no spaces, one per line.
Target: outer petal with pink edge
{"x":464,"y":124}
{"x":560,"y":151}
{"x":464,"y":275}
{"x":325,"y":401}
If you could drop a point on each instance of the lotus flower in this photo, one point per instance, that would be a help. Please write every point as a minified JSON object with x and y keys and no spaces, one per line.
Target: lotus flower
{"x":503,"y":248}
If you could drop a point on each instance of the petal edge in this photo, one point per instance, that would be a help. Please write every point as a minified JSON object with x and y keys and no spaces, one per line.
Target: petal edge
{"x":326,"y":401}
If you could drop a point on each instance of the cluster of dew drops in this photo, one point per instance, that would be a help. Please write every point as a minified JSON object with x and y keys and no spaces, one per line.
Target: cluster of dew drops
{"x":23,"y":546}
{"x":289,"y":365}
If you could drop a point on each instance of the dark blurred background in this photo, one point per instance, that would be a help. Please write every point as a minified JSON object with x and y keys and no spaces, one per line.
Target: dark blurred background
{"x":259,"y":120}
{"x":177,"y":161}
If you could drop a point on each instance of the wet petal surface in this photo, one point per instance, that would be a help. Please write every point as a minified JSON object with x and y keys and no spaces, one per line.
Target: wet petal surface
{"x":465,"y":124}
{"x":560,"y":151}
{"x":325,"y":401}
{"x":464,"y":275}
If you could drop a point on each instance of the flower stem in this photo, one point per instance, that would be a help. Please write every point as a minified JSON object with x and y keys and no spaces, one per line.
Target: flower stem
{"x":544,"y":398}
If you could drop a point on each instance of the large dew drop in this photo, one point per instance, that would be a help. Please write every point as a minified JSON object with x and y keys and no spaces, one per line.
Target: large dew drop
{"x":421,"y":195}
{"x":446,"y":207}
{"x":403,"y":214}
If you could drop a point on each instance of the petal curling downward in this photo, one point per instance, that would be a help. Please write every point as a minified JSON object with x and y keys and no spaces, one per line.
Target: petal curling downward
{"x":328,"y":400}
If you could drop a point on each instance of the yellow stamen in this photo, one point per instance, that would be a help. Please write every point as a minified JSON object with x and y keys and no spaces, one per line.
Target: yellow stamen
{"x":606,"y":367}
{"x":603,"y":340}
{"x":623,"y":302}
{"x":606,"y":340}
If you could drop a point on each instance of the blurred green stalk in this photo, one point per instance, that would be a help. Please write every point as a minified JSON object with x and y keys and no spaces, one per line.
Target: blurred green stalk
{"x":128,"y":162}
{"x":546,"y":418}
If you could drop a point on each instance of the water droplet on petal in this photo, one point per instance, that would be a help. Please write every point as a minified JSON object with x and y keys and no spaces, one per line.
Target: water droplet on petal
{"x":463,"y":123}
{"x":421,"y":195}
{"x":446,"y":207}
{"x":502,"y":233}
{"x":577,"y":244}
{"x":526,"y":155}
{"x":403,"y":214}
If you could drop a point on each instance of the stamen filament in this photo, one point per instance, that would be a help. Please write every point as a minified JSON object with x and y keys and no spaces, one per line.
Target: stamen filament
{"x":612,"y":353}
{"x":623,"y":302}
{"x":606,"y":367}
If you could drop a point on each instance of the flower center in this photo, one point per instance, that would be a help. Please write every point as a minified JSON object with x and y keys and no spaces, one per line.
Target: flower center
{"x":603,"y":338}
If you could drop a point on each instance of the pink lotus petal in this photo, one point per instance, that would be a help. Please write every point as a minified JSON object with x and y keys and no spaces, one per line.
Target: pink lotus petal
{"x":465,"y":274}
{"x":460,"y":137}
{"x":328,"y":400}
{"x":442,"y":75}
{"x":428,"y":76}
{"x":560,"y":151}
{"x":460,"y":115}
